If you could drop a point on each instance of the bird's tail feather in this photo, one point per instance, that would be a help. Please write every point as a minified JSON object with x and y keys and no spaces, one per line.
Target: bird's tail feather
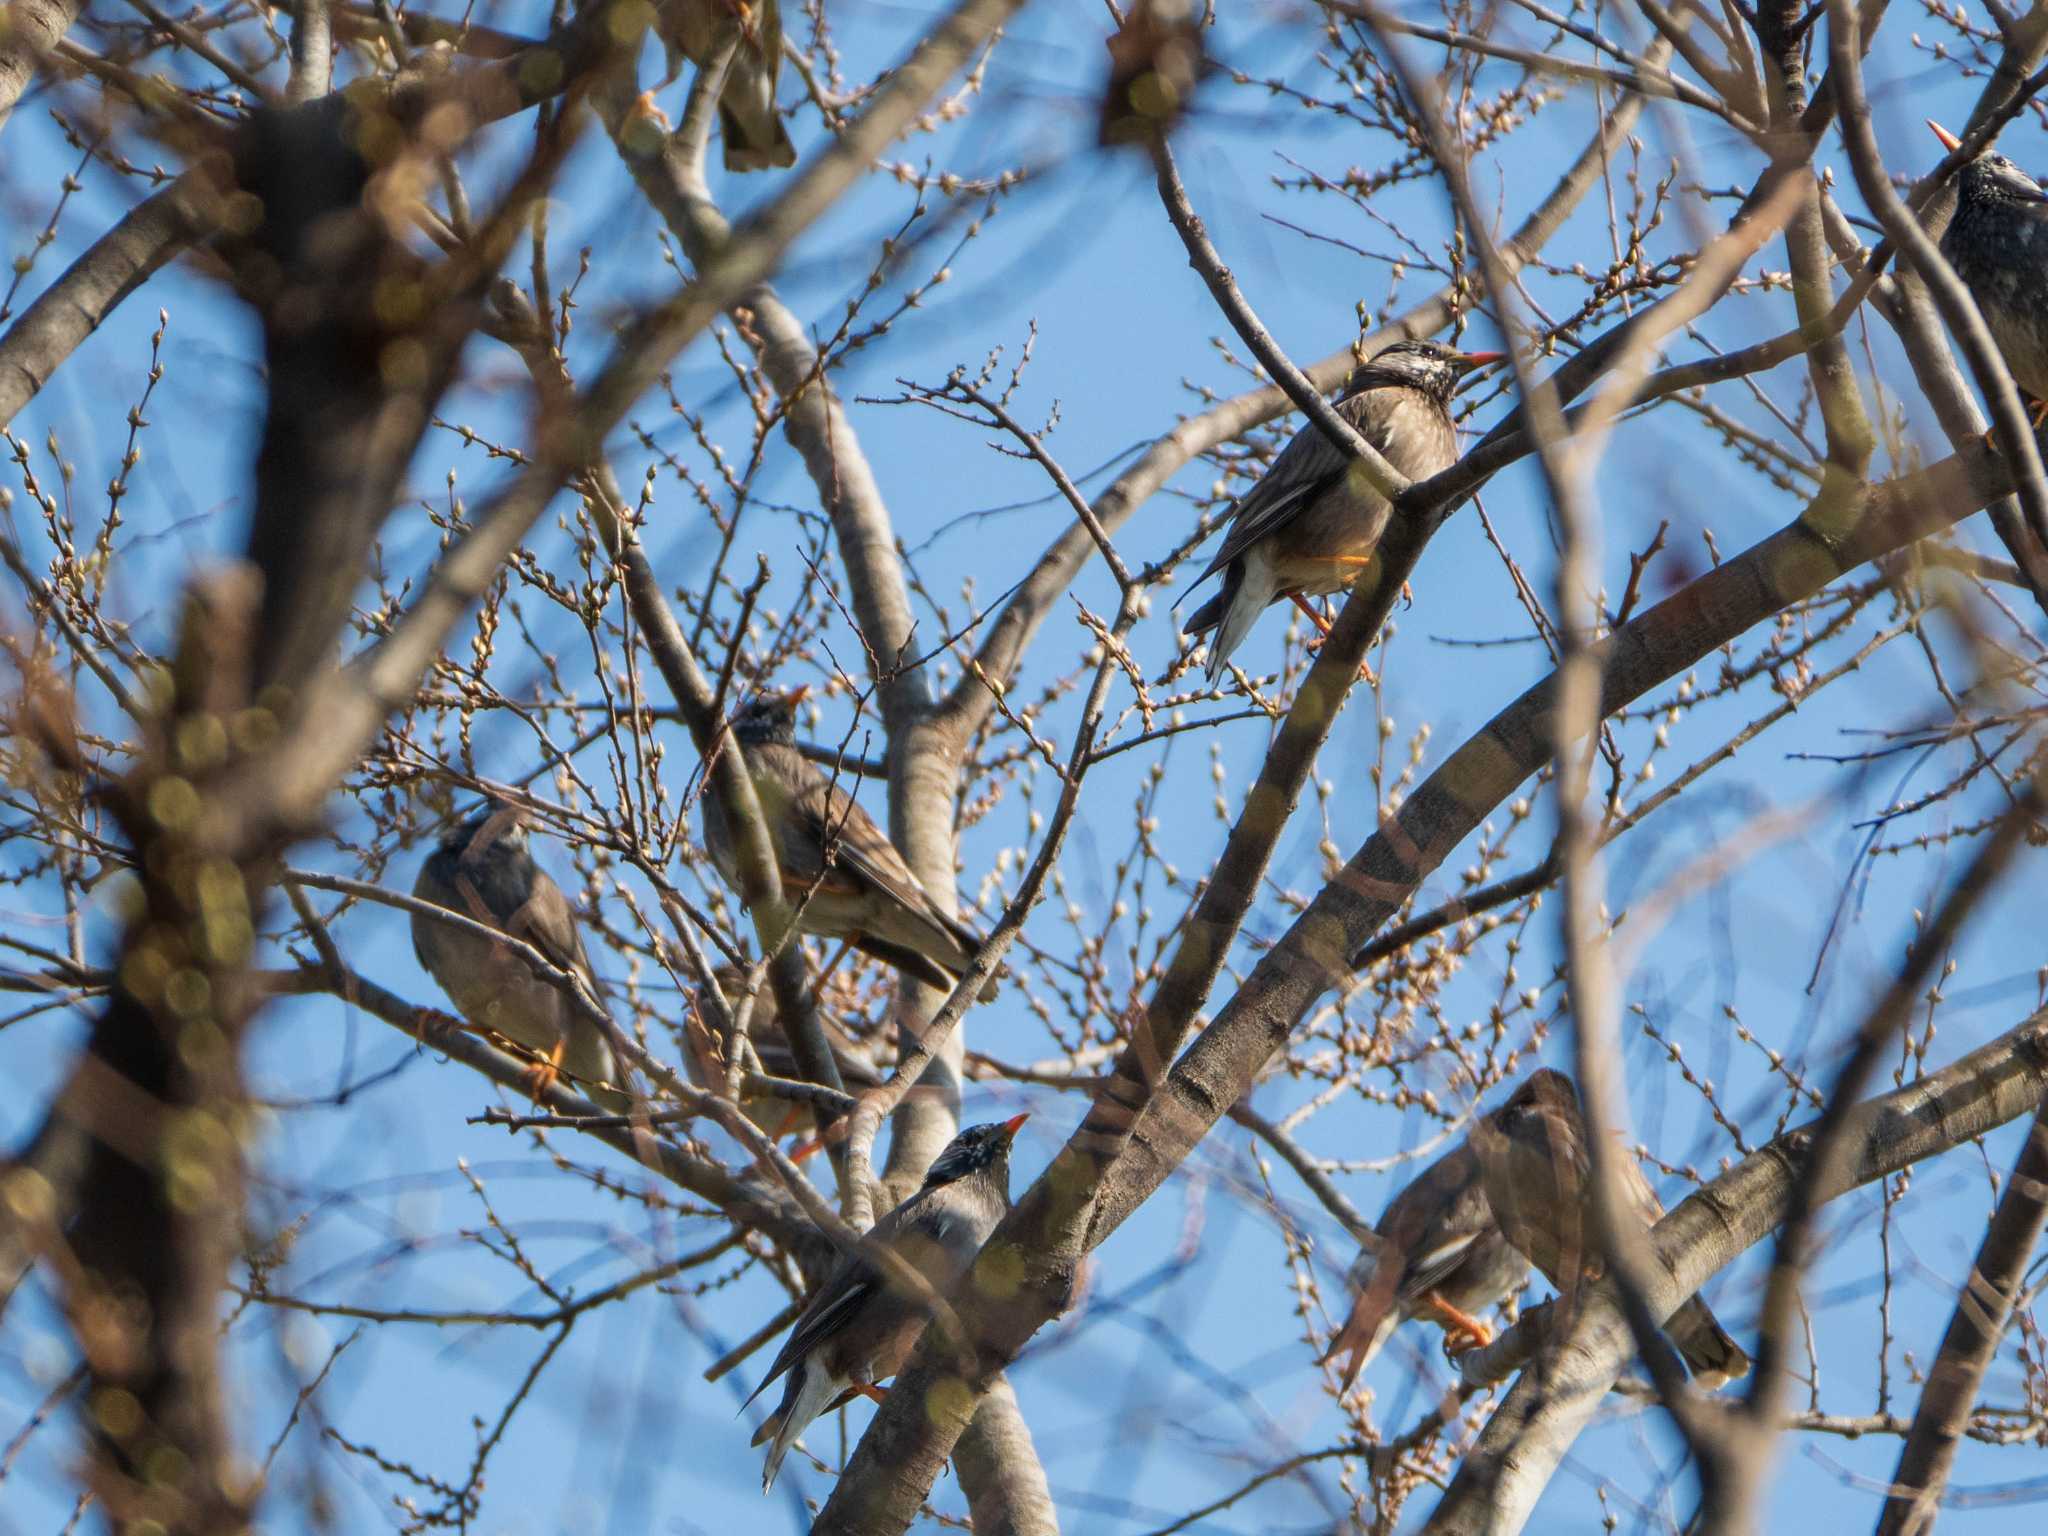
{"x":1710,"y":1354}
{"x":1246,"y":592}
{"x":1208,"y":616}
{"x":1364,"y":1335}
{"x":758,"y":142}
{"x":914,"y":959}
{"x":810,"y":1392}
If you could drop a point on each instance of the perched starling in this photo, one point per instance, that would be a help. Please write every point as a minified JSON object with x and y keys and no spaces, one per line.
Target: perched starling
{"x":1536,"y":1163}
{"x":484,"y":870}
{"x":1436,"y":1253}
{"x":769,"y":1048}
{"x":1997,"y":241}
{"x":1313,"y":520}
{"x":755,"y":138}
{"x":859,"y":1328}
{"x":864,"y":893}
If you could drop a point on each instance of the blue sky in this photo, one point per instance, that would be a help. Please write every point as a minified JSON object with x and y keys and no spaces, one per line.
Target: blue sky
{"x":1190,"y":1325}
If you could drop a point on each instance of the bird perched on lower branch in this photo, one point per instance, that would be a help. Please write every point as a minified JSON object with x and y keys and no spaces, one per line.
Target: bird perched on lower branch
{"x":770,"y":1052}
{"x":860,"y":1327}
{"x":830,"y":851}
{"x":1998,"y":243}
{"x":484,"y":870}
{"x":1313,"y":521}
{"x":1537,"y":1165}
{"x":1435,"y":1253}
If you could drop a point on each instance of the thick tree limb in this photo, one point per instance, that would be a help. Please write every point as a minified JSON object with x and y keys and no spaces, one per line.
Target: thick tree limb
{"x":72,"y":307}
{"x":1500,"y":1480}
{"x":1967,"y":1348}
{"x":28,"y":30}
{"x":903,"y":1449}
{"x":1010,"y":633}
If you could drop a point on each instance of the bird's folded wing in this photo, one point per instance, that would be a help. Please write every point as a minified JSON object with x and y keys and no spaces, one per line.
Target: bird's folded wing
{"x":1434,"y":1265}
{"x":1269,"y":505}
{"x":835,"y":1304}
{"x":859,"y":849}
{"x":1308,"y":466}
{"x":549,"y":926}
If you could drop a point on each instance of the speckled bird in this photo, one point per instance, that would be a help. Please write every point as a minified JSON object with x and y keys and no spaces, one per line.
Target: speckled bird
{"x":1536,"y":1164}
{"x":1313,"y":521}
{"x":1997,"y":241}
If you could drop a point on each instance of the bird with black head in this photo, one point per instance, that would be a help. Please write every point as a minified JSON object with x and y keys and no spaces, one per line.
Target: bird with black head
{"x":1997,"y":241}
{"x":1314,"y":520}
{"x":859,"y":1329}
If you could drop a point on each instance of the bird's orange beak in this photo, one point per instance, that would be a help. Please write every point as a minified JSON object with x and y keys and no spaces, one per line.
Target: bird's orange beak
{"x":1013,"y":1125}
{"x":798,"y":694}
{"x":1948,"y":140}
{"x":1481,"y":359}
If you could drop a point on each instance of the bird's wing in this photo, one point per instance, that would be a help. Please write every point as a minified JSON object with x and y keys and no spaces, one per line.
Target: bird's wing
{"x":1635,"y":1185}
{"x":549,"y":925}
{"x":856,"y":1281}
{"x":829,"y":815}
{"x":1435,"y":1264}
{"x":835,"y":1305}
{"x":1308,"y":466}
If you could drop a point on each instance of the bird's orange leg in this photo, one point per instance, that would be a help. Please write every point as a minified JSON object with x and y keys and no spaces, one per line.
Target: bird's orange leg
{"x":1308,"y":608}
{"x":871,"y":1392}
{"x":1322,"y":624}
{"x":644,"y":107}
{"x":543,"y":1075}
{"x":1458,"y":1326}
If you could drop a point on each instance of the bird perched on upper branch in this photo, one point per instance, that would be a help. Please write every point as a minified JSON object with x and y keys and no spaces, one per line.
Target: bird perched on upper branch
{"x":1537,"y":1166}
{"x":1436,"y":1252}
{"x":1312,"y":522}
{"x":828,"y":848}
{"x":1997,"y":241}
{"x":861,"y":1327}
{"x":485,"y":871}
{"x":755,"y":138}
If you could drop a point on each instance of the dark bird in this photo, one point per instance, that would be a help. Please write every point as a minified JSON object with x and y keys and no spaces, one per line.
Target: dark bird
{"x":755,"y":138}
{"x":1156,"y":59}
{"x":1435,"y":1253}
{"x":484,"y":870}
{"x":1997,"y":241}
{"x":861,"y":1328}
{"x":1536,"y":1163}
{"x":864,"y":893}
{"x":1313,"y":521}
{"x":768,"y":1052}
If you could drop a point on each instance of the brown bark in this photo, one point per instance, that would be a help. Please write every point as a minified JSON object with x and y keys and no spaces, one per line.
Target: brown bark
{"x":28,"y":30}
{"x":1983,"y":1309}
{"x":903,"y":1450}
